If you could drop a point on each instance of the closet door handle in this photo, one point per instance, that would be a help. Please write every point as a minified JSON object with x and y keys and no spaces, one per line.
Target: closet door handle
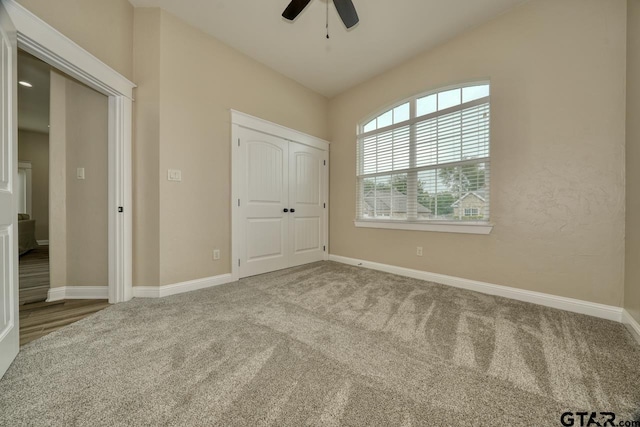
{"x":286,"y":210}
{"x":293,"y":210}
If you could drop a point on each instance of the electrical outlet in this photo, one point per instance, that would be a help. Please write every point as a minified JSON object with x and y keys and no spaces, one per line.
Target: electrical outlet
{"x":419,"y":251}
{"x":216,"y":254}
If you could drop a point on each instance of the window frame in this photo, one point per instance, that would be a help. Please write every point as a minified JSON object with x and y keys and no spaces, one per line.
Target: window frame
{"x":450,"y":226}
{"x":472,"y":212}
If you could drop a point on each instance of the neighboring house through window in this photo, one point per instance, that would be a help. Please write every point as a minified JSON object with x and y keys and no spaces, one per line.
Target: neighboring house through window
{"x":427,"y":159}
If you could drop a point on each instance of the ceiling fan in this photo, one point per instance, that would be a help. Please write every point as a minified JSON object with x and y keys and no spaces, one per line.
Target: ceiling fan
{"x":345,"y":8}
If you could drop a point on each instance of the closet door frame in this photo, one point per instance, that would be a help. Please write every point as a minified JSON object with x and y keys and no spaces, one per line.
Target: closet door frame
{"x":241,"y":120}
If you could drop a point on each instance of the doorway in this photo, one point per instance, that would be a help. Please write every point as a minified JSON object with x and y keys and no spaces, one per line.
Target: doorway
{"x":48,"y":45}
{"x":33,"y":179}
{"x":63,"y":195}
{"x":19,"y":28}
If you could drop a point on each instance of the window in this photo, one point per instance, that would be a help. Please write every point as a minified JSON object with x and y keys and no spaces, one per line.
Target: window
{"x":23,"y":187}
{"x":471,"y":212}
{"x":427,"y":161}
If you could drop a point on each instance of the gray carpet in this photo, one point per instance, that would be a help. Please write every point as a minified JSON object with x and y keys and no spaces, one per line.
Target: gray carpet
{"x":324,"y":344}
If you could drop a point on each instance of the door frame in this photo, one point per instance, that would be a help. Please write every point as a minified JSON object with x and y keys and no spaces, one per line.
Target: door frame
{"x":46,"y":43}
{"x":243,"y":120}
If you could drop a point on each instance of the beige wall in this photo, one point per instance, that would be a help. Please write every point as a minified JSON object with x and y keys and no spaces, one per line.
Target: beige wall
{"x":87,"y":200}
{"x":199,"y":80}
{"x":557,"y":71}
{"x":146,"y":149}
{"x":104,"y":28}
{"x":34,"y":147}
{"x":79,"y":223}
{"x":58,"y":180}
{"x":632,"y":273}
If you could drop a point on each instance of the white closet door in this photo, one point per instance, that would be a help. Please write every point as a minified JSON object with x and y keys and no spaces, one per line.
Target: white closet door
{"x":264,"y":197}
{"x":306,"y":199}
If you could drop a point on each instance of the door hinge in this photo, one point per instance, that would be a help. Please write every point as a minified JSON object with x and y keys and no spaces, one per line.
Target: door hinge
{"x":238,"y":142}
{"x":325,"y":205}
{"x":324,"y":249}
{"x":120,"y":209}
{"x":238,"y":202}
{"x":238,"y":262}
{"x":325,"y":162}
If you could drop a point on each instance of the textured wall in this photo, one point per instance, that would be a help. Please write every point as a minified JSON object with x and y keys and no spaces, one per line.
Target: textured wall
{"x":557,"y":71}
{"x":34,"y":147}
{"x":104,"y":28}
{"x":632,"y":273}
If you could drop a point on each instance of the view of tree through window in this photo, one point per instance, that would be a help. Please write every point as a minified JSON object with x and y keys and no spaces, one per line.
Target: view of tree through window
{"x":427,"y":159}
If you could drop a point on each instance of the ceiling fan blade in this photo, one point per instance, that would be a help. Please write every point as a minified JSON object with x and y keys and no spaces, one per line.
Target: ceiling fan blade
{"x":295,"y":7}
{"x":347,"y":12}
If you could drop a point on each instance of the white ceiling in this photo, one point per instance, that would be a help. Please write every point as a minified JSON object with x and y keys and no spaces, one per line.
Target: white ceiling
{"x":389,"y":32}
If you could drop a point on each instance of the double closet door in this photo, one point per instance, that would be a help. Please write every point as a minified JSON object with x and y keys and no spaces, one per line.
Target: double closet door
{"x":282,"y":203}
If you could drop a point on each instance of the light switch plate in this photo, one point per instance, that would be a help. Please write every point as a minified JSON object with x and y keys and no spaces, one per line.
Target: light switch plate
{"x":80,"y":173}
{"x":174,"y":175}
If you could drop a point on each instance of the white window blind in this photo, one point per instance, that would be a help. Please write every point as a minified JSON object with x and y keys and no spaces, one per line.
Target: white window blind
{"x":427,"y":159}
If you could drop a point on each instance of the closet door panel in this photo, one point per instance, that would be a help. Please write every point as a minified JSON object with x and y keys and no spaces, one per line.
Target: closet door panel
{"x":306,"y":194}
{"x":266,"y":191}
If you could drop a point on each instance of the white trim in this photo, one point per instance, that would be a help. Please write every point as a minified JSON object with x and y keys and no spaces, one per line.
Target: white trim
{"x":78,"y":292}
{"x":632,"y":325}
{"x":459,"y":85}
{"x":326,"y":210}
{"x":146,"y":292}
{"x":46,"y":43}
{"x":180,"y":288}
{"x":441,"y":227}
{"x":56,"y":294}
{"x":236,"y":166}
{"x":569,"y":304}
{"x":42,"y":40}
{"x":43,"y":242}
{"x":416,"y":119}
{"x":279,"y":131}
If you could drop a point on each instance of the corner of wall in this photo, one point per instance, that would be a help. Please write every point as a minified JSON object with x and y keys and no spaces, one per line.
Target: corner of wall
{"x":632,"y":228}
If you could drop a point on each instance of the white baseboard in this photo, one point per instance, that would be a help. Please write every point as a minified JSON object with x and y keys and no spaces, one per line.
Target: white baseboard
{"x":78,"y":292}
{"x":179,"y":288}
{"x":631,"y":324}
{"x":56,"y":294}
{"x":569,"y":304}
{"x":43,"y":242}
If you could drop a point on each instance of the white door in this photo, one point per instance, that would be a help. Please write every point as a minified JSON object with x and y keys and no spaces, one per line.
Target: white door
{"x":264,"y":184}
{"x":281,"y":205}
{"x":9,"y":339}
{"x":307,"y":166}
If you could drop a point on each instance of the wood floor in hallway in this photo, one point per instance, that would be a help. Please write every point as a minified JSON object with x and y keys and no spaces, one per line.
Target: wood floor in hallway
{"x":41,"y":318}
{"x":34,"y":275}
{"x":38,"y":317}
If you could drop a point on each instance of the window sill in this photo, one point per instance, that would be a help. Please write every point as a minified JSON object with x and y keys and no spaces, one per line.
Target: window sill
{"x":439,"y":226}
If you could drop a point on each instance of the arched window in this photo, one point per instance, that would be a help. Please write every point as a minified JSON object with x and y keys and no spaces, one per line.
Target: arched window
{"x":427,"y":159}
